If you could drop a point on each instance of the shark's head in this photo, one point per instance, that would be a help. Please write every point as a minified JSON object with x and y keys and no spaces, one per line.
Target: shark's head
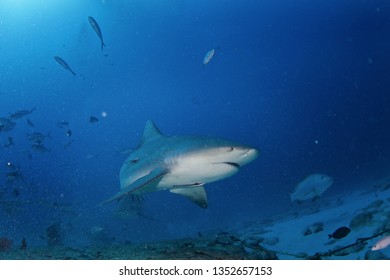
{"x":207,"y":160}
{"x":216,"y":151}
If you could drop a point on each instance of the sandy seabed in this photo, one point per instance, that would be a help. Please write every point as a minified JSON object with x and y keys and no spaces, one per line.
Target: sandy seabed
{"x":301,"y":233}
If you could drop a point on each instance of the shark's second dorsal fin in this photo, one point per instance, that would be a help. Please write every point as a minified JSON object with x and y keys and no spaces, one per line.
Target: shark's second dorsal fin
{"x":150,"y":132}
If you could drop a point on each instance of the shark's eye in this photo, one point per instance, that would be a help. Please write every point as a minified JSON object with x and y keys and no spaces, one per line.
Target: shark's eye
{"x":230,"y":149}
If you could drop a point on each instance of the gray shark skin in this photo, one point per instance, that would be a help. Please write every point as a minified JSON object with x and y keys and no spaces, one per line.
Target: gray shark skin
{"x":180,"y":164}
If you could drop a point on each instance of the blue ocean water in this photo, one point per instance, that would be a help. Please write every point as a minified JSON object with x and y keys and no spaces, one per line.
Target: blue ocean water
{"x":305,"y":82}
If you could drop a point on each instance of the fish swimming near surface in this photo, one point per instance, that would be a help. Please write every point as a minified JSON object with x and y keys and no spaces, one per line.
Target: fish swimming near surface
{"x":339,"y":233}
{"x":96,"y":27}
{"x":312,"y":187}
{"x":382,"y":243}
{"x":209,"y":55}
{"x":180,"y":164}
{"x":64,"y":64}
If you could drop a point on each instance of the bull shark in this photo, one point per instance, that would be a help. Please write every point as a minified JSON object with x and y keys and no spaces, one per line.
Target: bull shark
{"x":180,"y":164}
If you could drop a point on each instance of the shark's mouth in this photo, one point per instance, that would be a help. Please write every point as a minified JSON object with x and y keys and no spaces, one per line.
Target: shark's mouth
{"x":236,"y":165}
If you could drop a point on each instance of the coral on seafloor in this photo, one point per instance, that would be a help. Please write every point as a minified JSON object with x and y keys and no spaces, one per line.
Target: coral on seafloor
{"x":5,"y":244}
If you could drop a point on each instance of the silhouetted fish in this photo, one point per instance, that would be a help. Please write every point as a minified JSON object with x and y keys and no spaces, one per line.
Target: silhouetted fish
{"x":62,"y":124}
{"x":30,"y":123}
{"x":67,"y":144}
{"x":96,"y":27}
{"x":93,"y":119}
{"x":6,"y":124}
{"x":37,"y":137}
{"x":10,"y":143}
{"x":14,"y":173}
{"x":39,"y":148}
{"x":21,"y":113}
{"x":64,"y":64}
{"x":16,"y":192}
{"x":69,"y":133}
{"x":340,"y":233}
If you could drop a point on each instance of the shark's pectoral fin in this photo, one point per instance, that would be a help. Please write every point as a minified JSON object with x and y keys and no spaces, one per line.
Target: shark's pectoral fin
{"x":195,"y":194}
{"x":142,"y":185}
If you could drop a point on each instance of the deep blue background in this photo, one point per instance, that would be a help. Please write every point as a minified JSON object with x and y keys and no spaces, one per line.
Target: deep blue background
{"x":306,"y":82}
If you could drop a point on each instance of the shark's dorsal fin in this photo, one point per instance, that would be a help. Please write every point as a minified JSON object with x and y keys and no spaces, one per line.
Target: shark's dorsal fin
{"x":150,"y":132}
{"x":196,"y":194}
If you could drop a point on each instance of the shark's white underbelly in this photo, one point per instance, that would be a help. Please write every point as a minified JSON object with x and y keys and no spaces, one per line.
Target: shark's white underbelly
{"x":190,"y":175}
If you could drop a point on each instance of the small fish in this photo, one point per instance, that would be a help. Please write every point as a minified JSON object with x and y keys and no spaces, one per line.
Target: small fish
{"x":6,"y":124}
{"x":93,"y":119}
{"x":10,"y":143}
{"x":312,"y":187}
{"x":382,"y":243}
{"x":340,"y":233}
{"x":69,"y":133}
{"x":62,"y":124}
{"x":15,"y":192}
{"x":64,"y":64}
{"x":23,"y":246}
{"x":21,"y":113}
{"x":68,"y":144}
{"x":39,"y":147}
{"x":30,"y":123}
{"x":37,"y":137}
{"x":209,"y":55}
{"x":96,"y":27}
{"x":14,"y":175}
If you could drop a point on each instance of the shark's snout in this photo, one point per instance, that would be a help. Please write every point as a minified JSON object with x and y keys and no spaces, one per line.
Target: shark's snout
{"x":252,"y":153}
{"x":248,"y":155}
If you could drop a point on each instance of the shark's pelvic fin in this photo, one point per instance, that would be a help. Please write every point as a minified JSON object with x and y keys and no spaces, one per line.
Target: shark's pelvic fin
{"x":144,"y":184}
{"x":151,"y":132}
{"x":196,"y":194}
